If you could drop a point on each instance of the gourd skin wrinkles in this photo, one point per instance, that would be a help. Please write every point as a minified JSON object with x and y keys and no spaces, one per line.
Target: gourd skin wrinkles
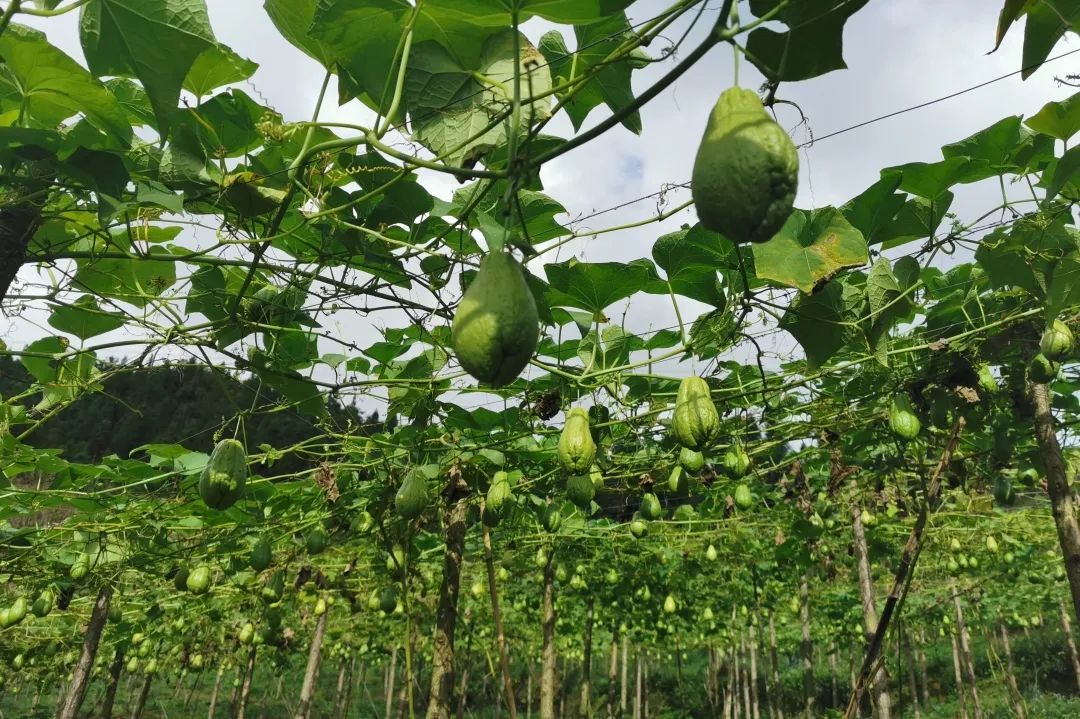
{"x":746,"y":171}
{"x":496,"y":327}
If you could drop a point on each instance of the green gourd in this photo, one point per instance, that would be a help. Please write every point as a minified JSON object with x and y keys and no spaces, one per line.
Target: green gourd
{"x":1056,"y":341}
{"x":222,"y":480}
{"x":746,"y":171}
{"x":261,"y":554}
{"x":499,"y":499}
{"x":316,"y":540}
{"x":496,"y":326}
{"x":44,"y":603}
{"x":412,"y":496}
{"x":691,"y":460}
{"x":743,"y":498}
{"x":1042,"y":370}
{"x":650,"y":506}
{"x":198,"y":580}
{"x":580,"y":490}
{"x":695,"y":421}
{"x":576,"y":448}
{"x":736,"y":462}
{"x":902,"y":418}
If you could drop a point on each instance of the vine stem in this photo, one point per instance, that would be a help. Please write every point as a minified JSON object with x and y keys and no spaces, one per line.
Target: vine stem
{"x":8,"y":14}
{"x":905,"y":572}
{"x":55,"y":12}
{"x":283,"y":208}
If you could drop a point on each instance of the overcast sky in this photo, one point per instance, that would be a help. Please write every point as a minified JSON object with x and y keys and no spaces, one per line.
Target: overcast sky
{"x":899,"y":54}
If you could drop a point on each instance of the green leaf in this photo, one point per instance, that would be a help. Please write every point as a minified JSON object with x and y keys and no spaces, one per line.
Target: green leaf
{"x":44,"y":369}
{"x":810,"y":249}
{"x":497,"y":13}
{"x":918,"y":218}
{"x":888,"y":304}
{"x":813,"y":44}
{"x":691,"y":258}
{"x":134,"y":101}
{"x":931,"y":179}
{"x":1060,"y":120}
{"x":363,"y":39}
{"x":995,"y":150}
{"x":593,"y":286}
{"x":815,"y":321}
{"x":293,"y":19}
{"x":874,"y":208}
{"x":157,"y":41}
{"x":215,"y":67}
{"x":84,"y":318}
{"x":1010,"y":13}
{"x":712,"y":333}
{"x":136,"y":281}
{"x":53,"y":87}
{"x":610,"y":86}
{"x":449,"y":102}
{"x":1065,"y":171}
{"x":227,"y":123}
{"x":1047,"y":22}
{"x":154,"y":193}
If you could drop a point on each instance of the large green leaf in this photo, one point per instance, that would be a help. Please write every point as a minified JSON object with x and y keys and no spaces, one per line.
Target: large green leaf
{"x":136,"y":281}
{"x":691,"y":259}
{"x":84,"y":318}
{"x":1006,"y":146}
{"x":594,"y":286}
{"x":816,"y":323}
{"x":812,"y":45}
{"x":1060,"y":120}
{"x":157,"y":41}
{"x":363,"y":39}
{"x":451,"y":105}
{"x":611,"y":86}
{"x":293,"y":20}
{"x":810,"y":248}
{"x":215,"y":67}
{"x":1047,"y":23}
{"x":52,"y":87}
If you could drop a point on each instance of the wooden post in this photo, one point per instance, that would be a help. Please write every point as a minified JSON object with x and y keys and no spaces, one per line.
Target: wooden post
{"x":115,"y":669}
{"x":879,"y":687}
{"x":547,"y":669}
{"x":245,"y":687}
{"x":754,"y":699}
{"x":500,"y":634}
{"x":80,"y":679}
{"x":1010,"y":675}
{"x":585,"y":707}
{"x":809,"y":699}
{"x":1057,"y":486}
{"x":214,"y":693}
{"x":961,"y":692}
{"x":774,"y":660}
{"x":613,"y":675}
{"x":442,"y":663}
{"x":388,"y":690}
{"x":624,"y":686}
{"x":140,"y":701}
{"x":966,"y":658}
{"x":1070,"y":641}
{"x":311,"y":673}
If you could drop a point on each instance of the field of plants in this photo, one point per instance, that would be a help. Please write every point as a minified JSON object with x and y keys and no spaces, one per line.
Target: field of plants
{"x":346,"y":414}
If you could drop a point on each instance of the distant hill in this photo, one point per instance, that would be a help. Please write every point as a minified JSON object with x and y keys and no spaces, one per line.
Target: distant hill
{"x":176,"y":403}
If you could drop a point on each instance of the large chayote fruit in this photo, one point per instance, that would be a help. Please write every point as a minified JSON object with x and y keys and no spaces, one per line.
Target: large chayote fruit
{"x":496,"y":328}
{"x":746,"y":171}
